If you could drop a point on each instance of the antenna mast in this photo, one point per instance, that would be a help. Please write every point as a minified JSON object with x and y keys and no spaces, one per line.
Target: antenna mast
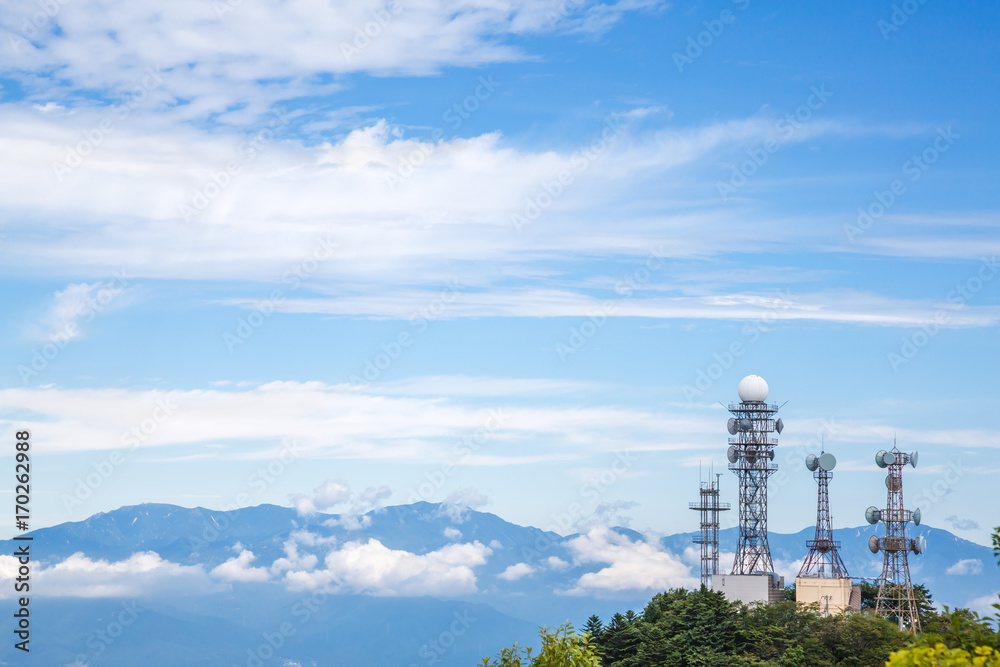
{"x":823,"y":559}
{"x":896,"y":601}
{"x":708,"y":507}
{"x":751,"y":457}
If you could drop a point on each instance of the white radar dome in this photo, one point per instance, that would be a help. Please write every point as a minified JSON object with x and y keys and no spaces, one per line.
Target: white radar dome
{"x":752,"y":389}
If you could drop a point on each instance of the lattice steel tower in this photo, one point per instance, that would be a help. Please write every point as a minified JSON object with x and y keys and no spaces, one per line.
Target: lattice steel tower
{"x":823,"y":559}
{"x":895,"y":592}
{"x":751,"y":457}
{"x":708,"y":508}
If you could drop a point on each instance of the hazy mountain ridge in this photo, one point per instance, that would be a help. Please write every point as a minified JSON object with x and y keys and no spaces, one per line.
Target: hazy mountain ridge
{"x":219,"y":626}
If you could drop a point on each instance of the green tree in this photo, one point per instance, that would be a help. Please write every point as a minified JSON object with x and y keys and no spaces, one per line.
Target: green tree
{"x":925,"y":605}
{"x":869,"y":594}
{"x":996,"y":543}
{"x":682,"y":628}
{"x":621,"y":639}
{"x":561,"y":647}
{"x":594,"y":628}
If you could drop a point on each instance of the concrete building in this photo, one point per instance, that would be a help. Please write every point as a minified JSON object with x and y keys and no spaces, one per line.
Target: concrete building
{"x":832,"y":595}
{"x":749,"y":588}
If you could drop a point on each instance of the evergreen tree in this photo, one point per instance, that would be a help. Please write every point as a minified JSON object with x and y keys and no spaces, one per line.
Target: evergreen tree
{"x":594,"y":628}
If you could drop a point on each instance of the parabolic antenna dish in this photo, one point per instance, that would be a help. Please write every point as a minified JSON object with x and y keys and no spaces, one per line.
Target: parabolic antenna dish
{"x":919,"y":545}
{"x":779,"y":426}
{"x":827,"y":461}
{"x":745,"y":424}
{"x":752,"y":389}
{"x":913,"y":459}
{"x":770,"y":454}
{"x":916,"y":517}
{"x":892,"y":483}
{"x":731,"y":426}
{"x":873,"y":544}
{"x":889,"y":458}
{"x":812,"y":462}
{"x":733,"y":454}
{"x":878,"y":458}
{"x":873,"y":514}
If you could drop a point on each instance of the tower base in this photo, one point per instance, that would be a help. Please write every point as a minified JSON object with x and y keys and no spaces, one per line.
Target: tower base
{"x":832,"y":595}
{"x":749,"y":588}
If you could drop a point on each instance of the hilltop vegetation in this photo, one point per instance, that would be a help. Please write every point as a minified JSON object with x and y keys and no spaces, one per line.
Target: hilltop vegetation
{"x":683,"y":628}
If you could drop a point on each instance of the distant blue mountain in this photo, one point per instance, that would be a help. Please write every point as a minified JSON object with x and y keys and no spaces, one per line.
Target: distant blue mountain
{"x":228,"y":628}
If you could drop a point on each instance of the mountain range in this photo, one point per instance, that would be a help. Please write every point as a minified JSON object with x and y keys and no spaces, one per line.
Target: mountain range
{"x":408,"y":585}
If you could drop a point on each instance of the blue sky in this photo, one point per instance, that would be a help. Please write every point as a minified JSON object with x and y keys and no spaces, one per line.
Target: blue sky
{"x":552,"y":232}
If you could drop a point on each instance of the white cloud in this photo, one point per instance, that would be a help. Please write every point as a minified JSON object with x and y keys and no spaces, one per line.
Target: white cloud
{"x":78,"y":305}
{"x":143,"y":573}
{"x":372,"y":568}
{"x":984,"y":605}
{"x":612,"y":513}
{"x":373,"y":496}
{"x":237,"y":45}
{"x":331,"y":492}
{"x":293,"y":560}
{"x":517,"y":571}
{"x":843,"y":306}
{"x":458,"y":503}
{"x":452,"y":533}
{"x":556,"y":563}
{"x":358,"y":516}
{"x":966,"y":566}
{"x":343,"y":422}
{"x":240,"y":569}
{"x":630,"y":566}
{"x":350,"y":522}
{"x":788,"y":569}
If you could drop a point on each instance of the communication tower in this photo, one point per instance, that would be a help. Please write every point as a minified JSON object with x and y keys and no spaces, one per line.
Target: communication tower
{"x":708,"y":508}
{"x":751,"y":457}
{"x":823,"y":577}
{"x":895,"y":592}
